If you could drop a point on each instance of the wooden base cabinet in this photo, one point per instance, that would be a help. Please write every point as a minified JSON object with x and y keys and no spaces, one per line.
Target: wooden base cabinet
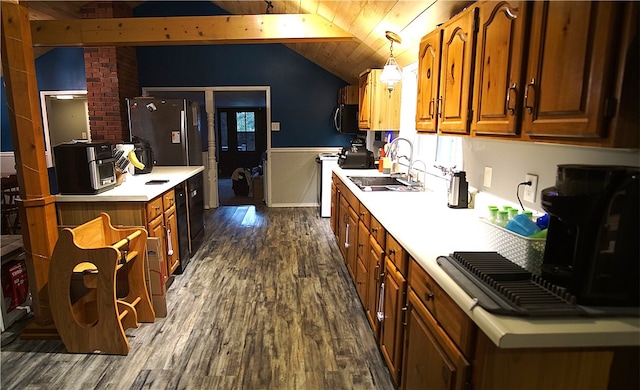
{"x":158,"y":216}
{"x":431,"y":359}
{"x":372,"y":304}
{"x":391,"y":334}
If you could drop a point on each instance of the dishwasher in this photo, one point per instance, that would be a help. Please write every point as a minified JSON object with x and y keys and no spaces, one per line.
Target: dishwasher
{"x":183,"y":227}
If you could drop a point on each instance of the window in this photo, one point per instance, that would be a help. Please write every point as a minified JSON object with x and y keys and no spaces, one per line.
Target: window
{"x":224,"y":136}
{"x":246,"y":125}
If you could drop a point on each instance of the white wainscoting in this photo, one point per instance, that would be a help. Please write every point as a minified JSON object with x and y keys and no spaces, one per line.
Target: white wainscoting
{"x":294,"y":176}
{"x":7,"y":163}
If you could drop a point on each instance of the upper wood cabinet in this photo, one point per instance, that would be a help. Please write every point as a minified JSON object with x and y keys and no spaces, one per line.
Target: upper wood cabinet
{"x":456,"y":72}
{"x":453,"y":61}
{"x":497,"y":94}
{"x":572,"y":55}
{"x":348,"y":95}
{"x":379,"y":108}
{"x":428,"y":82}
{"x":556,"y":72}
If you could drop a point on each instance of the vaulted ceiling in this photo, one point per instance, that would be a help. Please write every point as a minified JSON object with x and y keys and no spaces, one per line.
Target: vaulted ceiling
{"x":367,"y":21}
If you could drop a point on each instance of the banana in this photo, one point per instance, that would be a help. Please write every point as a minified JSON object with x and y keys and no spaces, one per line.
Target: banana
{"x":134,"y":160}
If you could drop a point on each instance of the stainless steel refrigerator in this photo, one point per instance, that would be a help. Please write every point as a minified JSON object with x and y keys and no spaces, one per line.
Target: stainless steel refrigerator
{"x":172,"y":127}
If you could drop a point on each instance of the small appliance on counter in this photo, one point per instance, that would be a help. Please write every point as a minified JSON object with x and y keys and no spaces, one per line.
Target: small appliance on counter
{"x":356,"y":156}
{"x":458,"y":191}
{"x":84,"y":167}
{"x":592,"y":240}
{"x":144,"y":154}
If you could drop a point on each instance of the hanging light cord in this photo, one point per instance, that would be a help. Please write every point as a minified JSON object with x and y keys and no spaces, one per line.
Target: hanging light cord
{"x":269,"y":5}
{"x":524,"y":183}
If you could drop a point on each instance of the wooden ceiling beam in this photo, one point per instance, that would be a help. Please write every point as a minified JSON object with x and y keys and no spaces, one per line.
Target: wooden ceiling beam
{"x":187,"y":30}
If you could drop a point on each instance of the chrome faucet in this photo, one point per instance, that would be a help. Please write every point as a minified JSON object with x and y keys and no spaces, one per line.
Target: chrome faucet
{"x":393,"y":151}
{"x":422,"y":183}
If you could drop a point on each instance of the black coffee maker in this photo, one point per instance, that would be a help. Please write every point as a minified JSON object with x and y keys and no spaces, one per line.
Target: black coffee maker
{"x":592,"y":246}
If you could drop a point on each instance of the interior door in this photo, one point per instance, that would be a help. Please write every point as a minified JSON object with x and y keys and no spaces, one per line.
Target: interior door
{"x":242,"y":138}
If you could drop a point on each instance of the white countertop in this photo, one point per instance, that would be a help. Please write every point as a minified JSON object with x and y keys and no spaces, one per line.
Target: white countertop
{"x":423,"y":224}
{"x":134,"y":189}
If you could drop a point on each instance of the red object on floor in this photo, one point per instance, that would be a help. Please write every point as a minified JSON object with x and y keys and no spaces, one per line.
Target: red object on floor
{"x":15,"y":285}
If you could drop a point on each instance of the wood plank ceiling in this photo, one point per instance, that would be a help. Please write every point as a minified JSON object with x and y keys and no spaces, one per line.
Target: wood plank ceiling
{"x":366,"y":20}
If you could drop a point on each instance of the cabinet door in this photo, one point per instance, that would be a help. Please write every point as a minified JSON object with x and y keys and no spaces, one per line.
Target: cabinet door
{"x":156,"y":229}
{"x":428,"y":82}
{"x":335,"y":203}
{"x":364,"y":101}
{"x":456,"y":68}
{"x":173,"y":251}
{"x":343,"y":239}
{"x":352,"y":241}
{"x":431,"y":360}
{"x":363,"y":240}
{"x":361,"y":279}
{"x":394,"y":307}
{"x":498,"y":92}
{"x":571,"y":56}
{"x":376,"y":261}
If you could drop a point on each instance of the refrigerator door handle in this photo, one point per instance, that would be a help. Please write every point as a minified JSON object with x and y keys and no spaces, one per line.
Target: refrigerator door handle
{"x":183,"y":132}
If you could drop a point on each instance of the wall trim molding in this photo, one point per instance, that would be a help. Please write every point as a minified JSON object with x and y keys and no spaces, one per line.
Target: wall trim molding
{"x":7,"y":162}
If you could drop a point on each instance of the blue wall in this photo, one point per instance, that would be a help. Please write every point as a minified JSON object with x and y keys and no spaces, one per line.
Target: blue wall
{"x":303,"y":95}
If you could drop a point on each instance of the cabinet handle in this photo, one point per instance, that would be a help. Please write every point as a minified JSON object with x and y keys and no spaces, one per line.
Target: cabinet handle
{"x":374,"y":229}
{"x":432,"y":103}
{"x":513,"y":88}
{"x":528,"y":106}
{"x":428,"y":296}
{"x":392,"y":251}
{"x":404,"y":315}
{"x":375,"y":272}
{"x":346,"y":238}
{"x":440,"y":107}
{"x":362,"y":213}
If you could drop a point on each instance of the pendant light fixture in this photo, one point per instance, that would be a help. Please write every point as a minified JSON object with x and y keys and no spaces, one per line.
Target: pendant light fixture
{"x":391,"y":73}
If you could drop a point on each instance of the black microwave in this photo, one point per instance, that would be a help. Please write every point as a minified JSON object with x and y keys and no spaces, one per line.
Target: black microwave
{"x":345,"y":119}
{"x":84,"y":167}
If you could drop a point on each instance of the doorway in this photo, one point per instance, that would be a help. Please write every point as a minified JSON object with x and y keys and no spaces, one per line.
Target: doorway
{"x":242,"y":138}
{"x":65,"y":117}
{"x":238,"y":96}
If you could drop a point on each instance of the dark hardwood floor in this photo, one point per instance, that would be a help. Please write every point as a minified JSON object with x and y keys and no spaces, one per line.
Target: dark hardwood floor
{"x":267,"y":303}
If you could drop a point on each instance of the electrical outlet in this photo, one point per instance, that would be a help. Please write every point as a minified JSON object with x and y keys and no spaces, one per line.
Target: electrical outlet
{"x":530,"y":191}
{"x":488,"y":171}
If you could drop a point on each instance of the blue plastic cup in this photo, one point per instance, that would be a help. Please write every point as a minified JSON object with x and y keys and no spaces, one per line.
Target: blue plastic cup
{"x":522,"y":225}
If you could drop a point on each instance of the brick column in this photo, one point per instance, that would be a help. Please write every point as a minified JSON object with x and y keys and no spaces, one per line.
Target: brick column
{"x":112,"y":76}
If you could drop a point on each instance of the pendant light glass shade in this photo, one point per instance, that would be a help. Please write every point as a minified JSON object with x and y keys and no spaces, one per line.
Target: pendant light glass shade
{"x":391,"y":73}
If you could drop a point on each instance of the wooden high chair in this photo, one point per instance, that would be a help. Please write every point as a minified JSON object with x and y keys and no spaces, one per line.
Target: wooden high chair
{"x":110,"y":263}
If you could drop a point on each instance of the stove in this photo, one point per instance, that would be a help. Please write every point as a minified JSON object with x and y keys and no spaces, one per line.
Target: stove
{"x":502,"y":287}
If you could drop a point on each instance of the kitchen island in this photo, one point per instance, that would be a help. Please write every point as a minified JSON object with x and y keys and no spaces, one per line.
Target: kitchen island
{"x":146,"y":200}
{"x":495,"y":351}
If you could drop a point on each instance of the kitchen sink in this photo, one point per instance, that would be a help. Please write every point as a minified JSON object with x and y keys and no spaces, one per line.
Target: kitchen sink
{"x":383,"y":183}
